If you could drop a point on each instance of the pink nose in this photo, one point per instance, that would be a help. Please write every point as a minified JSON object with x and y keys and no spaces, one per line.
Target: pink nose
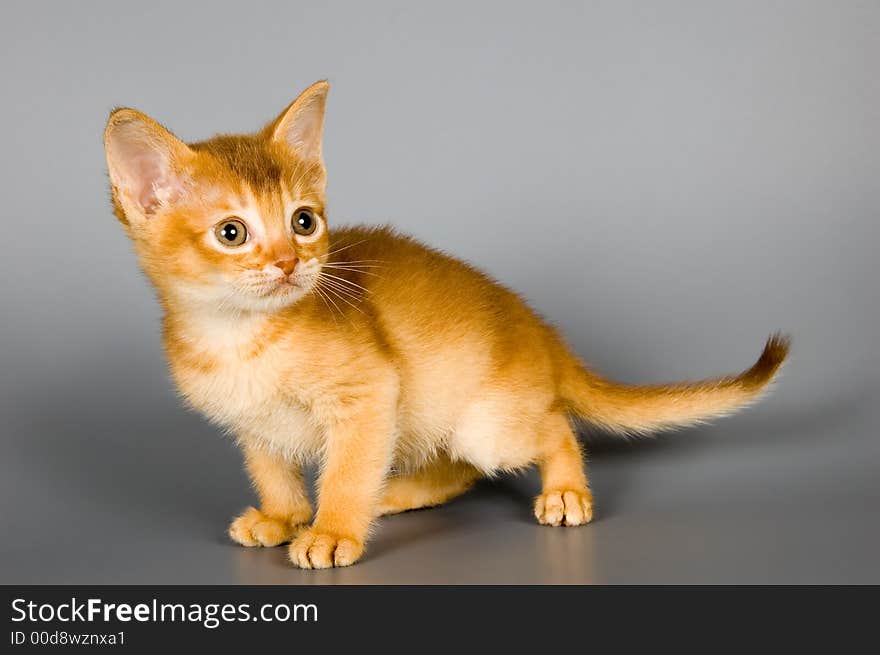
{"x":287,"y":265}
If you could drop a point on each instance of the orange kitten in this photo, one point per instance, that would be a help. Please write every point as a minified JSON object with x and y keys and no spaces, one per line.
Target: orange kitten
{"x":405,"y":373}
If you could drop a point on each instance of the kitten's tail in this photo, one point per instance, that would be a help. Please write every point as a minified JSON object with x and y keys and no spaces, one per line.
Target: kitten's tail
{"x":650,"y":408}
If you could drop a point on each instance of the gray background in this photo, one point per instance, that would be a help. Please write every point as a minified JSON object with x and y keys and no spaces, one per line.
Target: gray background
{"x":668,"y":182}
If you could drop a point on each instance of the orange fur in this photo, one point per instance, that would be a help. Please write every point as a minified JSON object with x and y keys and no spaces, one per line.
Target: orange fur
{"x":406,"y":374}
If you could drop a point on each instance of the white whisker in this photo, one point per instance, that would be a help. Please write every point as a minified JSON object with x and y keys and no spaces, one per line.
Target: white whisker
{"x":343,"y":280}
{"x":345,"y":301}
{"x":352,"y":270}
{"x":334,"y":285}
{"x":356,"y":243}
{"x":324,"y":298}
{"x":358,"y":261}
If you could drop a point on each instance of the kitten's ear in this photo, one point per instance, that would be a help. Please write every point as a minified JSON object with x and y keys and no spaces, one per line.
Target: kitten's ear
{"x":146,"y":163}
{"x":301,"y":125}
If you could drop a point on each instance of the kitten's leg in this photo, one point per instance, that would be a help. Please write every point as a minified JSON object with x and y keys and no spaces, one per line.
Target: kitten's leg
{"x":284,"y":503}
{"x":357,"y":457}
{"x":565,"y":496}
{"x":437,"y":483}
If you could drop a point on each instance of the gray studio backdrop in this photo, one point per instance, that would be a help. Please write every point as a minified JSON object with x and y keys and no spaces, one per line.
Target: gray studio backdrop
{"x":666,"y":181}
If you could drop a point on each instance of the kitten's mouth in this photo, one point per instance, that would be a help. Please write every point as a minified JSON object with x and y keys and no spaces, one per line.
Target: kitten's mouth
{"x":285,"y":286}
{"x":282,"y":287}
{"x":271,"y":288}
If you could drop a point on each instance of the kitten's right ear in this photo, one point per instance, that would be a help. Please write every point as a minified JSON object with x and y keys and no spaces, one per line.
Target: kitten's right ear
{"x":146,"y":163}
{"x":301,"y":125}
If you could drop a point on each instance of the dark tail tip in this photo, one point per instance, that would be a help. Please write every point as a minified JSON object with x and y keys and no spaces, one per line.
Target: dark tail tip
{"x":775,"y":353}
{"x":776,"y":350}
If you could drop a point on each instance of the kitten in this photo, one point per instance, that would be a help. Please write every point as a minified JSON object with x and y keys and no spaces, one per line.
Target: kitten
{"x":405,"y":373}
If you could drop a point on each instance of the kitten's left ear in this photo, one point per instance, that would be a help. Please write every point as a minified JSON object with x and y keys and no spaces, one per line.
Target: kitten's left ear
{"x":147,"y":164}
{"x":301,"y":125}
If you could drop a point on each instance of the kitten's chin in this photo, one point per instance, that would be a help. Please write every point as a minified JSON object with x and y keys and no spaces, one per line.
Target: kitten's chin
{"x":279,"y":299}
{"x":238,"y":301}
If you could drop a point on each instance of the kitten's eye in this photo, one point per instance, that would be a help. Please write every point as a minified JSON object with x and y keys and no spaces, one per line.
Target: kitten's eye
{"x":231,"y":232}
{"x":303,"y":222}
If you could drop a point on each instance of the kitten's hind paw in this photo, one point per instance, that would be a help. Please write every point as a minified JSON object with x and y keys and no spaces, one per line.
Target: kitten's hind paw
{"x":566,"y":507}
{"x":254,"y":528}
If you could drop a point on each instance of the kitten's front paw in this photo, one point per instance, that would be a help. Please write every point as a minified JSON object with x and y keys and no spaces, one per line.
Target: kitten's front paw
{"x":314,"y":549}
{"x":253,"y":528}
{"x":567,"y":507}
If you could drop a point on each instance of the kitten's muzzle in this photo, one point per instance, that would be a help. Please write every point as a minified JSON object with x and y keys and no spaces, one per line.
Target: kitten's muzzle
{"x":288,"y":266}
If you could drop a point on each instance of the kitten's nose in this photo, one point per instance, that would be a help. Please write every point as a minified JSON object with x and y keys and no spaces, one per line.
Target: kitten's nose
{"x":287,"y":265}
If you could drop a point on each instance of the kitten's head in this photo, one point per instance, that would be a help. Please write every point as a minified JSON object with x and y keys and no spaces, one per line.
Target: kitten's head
{"x":234,"y":221}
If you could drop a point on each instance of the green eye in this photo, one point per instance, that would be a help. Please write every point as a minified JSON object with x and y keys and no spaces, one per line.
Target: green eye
{"x":231,"y":232}
{"x":304,"y":222}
